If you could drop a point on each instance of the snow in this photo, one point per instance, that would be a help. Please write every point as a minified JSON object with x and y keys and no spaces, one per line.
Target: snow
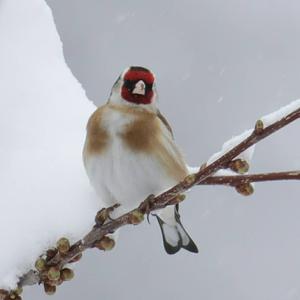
{"x":222,"y":172}
{"x":220,"y":99}
{"x":121,"y":18}
{"x":193,"y":170}
{"x":246,"y":155}
{"x":225,"y":172}
{"x":280,"y":113}
{"x":44,"y":193}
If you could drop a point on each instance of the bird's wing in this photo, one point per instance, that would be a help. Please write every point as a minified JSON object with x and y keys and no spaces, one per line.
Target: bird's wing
{"x":97,"y":136}
{"x":165,"y":122}
{"x":168,"y":152}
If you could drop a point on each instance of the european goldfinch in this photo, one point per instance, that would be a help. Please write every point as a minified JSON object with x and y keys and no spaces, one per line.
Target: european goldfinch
{"x":130,"y":153}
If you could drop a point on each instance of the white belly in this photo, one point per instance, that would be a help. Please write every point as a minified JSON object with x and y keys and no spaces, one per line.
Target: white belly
{"x":121,"y":176}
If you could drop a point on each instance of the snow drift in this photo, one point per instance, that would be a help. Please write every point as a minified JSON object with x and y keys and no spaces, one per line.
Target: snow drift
{"x":44,"y":191}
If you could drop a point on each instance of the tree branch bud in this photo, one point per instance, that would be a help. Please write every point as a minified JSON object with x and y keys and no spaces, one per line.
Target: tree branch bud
{"x":245,"y":189}
{"x":239,"y":166}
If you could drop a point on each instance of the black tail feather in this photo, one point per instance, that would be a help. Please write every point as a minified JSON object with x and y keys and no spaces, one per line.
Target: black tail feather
{"x":170,"y":249}
{"x":181,"y":238}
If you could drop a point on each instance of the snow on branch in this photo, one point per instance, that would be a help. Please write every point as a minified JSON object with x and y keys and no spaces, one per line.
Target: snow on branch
{"x":280,"y":113}
{"x":245,"y":155}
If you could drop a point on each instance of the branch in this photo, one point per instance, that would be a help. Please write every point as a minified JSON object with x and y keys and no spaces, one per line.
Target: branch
{"x":236,"y":180}
{"x":58,"y":258}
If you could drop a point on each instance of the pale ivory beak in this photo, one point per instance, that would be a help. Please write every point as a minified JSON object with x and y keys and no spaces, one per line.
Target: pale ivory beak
{"x":140,"y":88}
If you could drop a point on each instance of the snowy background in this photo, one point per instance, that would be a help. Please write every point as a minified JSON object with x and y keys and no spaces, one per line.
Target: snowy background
{"x":219,"y":67}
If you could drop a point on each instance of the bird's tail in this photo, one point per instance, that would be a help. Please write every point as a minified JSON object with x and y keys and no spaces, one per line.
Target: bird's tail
{"x":175,"y":236}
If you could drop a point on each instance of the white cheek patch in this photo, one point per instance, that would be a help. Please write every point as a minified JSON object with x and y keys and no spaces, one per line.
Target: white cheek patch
{"x":140,"y":88}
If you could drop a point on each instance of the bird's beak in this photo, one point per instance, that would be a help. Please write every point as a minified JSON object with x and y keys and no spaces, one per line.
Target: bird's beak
{"x":140,"y":88}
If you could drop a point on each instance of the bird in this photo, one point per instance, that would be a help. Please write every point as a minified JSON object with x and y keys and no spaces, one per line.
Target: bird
{"x":130,"y":153}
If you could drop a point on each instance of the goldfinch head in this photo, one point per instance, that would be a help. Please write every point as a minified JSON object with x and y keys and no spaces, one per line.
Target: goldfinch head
{"x":136,"y":86}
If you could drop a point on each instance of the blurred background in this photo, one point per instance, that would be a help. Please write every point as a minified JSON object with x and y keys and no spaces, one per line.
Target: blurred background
{"x":220,"y":65}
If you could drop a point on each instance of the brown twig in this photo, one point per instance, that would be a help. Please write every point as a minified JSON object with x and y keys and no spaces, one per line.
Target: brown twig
{"x":236,"y":180}
{"x":171,"y":196}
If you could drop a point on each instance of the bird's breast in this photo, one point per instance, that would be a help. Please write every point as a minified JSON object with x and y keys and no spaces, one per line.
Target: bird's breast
{"x":136,"y":158}
{"x":142,"y":134}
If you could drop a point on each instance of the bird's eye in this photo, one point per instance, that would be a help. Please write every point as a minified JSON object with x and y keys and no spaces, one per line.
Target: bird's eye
{"x":149,"y":86}
{"x":129,"y":84}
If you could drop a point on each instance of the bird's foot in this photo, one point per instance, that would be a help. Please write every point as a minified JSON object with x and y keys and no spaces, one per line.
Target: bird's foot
{"x":147,"y":205}
{"x":104,"y":214}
